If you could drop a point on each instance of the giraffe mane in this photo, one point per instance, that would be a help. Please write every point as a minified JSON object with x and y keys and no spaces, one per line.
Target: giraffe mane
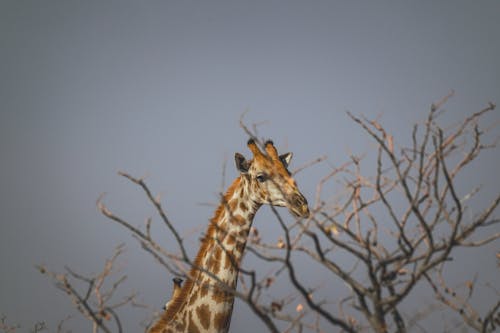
{"x":176,"y":303}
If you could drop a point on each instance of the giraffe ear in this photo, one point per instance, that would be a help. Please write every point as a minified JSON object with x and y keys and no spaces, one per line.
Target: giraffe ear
{"x":286,"y":158}
{"x":241,"y":163}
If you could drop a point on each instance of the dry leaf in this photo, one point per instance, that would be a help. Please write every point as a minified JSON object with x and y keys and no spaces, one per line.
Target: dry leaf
{"x":377,"y":125}
{"x":254,"y":235}
{"x":469,"y":284}
{"x":390,"y":143}
{"x":281,"y":243}
{"x":299,"y":307}
{"x":333,"y":230}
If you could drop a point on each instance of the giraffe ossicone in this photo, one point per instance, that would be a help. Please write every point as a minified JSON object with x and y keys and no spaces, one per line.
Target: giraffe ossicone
{"x":204,"y":302}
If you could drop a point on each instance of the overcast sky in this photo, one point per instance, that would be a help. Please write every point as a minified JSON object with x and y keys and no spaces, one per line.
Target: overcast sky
{"x":88,"y":88}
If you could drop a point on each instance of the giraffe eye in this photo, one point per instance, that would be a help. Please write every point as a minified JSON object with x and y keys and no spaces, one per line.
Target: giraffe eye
{"x":261,"y":178}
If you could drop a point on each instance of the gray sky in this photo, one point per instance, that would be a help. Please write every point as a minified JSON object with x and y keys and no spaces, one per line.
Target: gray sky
{"x":156,"y":88}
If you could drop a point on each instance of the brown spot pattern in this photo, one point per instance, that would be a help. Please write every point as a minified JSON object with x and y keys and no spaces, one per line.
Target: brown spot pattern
{"x":220,"y":320}
{"x":213,"y":263}
{"x":231,"y":239}
{"x":192,"y":328}
{"x":227,"y":262}
{"x":218,"y":253}
{"x":232,"y":204}
{"x":239,"y":220}
{"x":203,"y":313}
{"x":243,"y":233}
{"x":220,"y":296}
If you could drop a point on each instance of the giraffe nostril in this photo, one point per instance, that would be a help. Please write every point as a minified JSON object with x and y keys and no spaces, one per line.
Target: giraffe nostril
{"x":299,"y":200}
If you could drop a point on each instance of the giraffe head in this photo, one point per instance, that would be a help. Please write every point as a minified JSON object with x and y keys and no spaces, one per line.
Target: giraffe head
{"x":270,"y":182}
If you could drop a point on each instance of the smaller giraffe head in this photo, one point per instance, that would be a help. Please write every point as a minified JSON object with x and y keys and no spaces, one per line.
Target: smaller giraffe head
{"x":270,"y":182}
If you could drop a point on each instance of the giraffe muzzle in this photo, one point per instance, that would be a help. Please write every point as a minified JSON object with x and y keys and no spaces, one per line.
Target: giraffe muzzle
{"x":298,"y":206}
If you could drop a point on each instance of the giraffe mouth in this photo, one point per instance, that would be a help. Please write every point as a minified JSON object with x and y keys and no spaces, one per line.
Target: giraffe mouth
{"x":302,"y":211}
{"x":298,"y":206}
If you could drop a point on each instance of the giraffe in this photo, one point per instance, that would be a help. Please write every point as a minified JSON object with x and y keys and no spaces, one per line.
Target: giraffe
{"x":204,"y":303}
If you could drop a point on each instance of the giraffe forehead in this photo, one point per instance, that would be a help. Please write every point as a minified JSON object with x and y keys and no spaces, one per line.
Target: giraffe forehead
{"x":271,"y":166}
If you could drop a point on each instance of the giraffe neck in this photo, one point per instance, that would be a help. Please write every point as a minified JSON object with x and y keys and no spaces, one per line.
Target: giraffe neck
{"x":227,"y":234}
{"x":205,"y":302}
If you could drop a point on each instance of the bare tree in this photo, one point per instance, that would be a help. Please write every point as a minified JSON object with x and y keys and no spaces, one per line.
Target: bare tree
{"x":9,"y":328}
{"x":395,"y":227}
{"x":91,"y":295}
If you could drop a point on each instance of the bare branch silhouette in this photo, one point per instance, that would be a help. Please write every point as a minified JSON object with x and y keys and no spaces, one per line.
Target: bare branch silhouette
{"x":398,"y":225}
